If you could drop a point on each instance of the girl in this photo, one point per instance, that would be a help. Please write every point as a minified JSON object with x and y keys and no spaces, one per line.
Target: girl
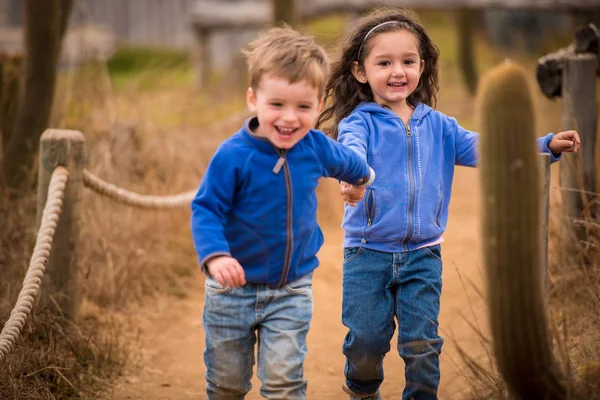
{"x":382,"y":91}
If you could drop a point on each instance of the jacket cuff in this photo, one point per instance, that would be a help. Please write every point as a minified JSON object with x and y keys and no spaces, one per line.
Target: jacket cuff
{"x":371,"y":179}
{"x":553,"y":157}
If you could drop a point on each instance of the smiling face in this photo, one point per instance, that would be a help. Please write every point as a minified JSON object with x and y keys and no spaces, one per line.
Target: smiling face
{"x":286,"y":111}
{"x":392,"y":67}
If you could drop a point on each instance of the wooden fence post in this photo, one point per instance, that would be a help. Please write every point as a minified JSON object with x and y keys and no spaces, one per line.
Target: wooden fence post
{"x":544,"y":159}
{"x":65,"y":148}
{"x":578,"y":171}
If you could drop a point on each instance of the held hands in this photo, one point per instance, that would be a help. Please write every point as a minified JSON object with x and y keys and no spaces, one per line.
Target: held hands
{"x":351,"y":194}
{"x":567,"y":141}
{"x":227,"y":271}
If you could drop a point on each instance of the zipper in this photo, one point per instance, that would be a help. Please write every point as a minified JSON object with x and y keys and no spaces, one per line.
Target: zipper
{"x":412,"y":185}
{"x":370,"y":206}
{"x":439,"y":211}
{"x":289,"y":241}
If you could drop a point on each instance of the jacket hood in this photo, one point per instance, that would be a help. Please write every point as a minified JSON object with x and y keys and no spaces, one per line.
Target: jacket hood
{"x":373,"y":108}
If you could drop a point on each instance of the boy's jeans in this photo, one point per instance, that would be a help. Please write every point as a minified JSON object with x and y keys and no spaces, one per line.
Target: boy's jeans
{"x":378,"y":286}
{"x":233,"y":318}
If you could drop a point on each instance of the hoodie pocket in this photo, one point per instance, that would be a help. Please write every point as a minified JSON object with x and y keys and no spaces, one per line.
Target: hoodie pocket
{"x":370,"y":206}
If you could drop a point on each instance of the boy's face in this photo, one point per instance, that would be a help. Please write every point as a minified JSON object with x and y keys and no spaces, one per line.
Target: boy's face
{"x":286,"y":111}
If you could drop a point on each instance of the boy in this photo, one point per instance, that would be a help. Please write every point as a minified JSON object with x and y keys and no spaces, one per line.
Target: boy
{"x":254,"y":222}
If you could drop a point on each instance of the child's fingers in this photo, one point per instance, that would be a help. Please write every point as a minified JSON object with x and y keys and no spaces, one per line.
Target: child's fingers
{"x":238,"y":274}
{"x":229,"y":282}
{"x":219,"y":277}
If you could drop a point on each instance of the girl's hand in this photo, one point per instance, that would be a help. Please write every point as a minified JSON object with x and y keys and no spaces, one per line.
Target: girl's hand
{"x":351,"y":194}
{"x":227,"y":271}
{"x":565,"y":141}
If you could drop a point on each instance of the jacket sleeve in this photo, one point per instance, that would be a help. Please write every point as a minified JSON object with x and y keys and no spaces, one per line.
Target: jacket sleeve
{"x":342,"y":162}
{"x":354,"y":133}
{"x":210,"y":207}
{"x":467,"y":142}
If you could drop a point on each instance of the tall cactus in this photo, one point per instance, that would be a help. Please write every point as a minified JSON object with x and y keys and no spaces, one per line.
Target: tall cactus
{"x":512,"y":240}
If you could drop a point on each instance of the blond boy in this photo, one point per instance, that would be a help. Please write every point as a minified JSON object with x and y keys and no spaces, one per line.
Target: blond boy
{"x":254,"y":222}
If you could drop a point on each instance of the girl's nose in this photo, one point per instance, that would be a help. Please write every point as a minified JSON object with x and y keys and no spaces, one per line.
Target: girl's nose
{"x":398,"y":70}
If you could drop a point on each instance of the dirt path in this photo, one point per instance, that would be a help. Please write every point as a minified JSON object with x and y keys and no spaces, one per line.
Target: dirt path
{"x":172,"y":336}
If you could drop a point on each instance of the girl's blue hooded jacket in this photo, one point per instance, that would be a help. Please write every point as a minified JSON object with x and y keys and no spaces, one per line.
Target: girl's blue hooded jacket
{"x":407,"y":205}
{"x":258,"y":204}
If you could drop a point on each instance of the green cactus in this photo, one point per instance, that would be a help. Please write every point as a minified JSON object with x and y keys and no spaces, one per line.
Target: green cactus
{"x":511,"y":188}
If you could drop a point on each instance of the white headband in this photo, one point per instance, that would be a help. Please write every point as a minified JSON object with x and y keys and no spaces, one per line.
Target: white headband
{"x":367,"y":35}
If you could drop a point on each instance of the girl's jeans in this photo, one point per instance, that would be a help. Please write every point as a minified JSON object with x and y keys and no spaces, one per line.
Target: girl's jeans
{"x":233,"y":320}
{"x":377,"y":287}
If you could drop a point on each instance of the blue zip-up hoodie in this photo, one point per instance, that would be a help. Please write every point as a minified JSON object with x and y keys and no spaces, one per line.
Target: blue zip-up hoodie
{"x":258,"y":204}
{"x":407,"y":205}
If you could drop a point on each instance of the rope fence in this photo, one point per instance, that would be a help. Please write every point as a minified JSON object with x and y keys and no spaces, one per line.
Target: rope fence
{"x":41,"y":252}
{"x":135,"y":199}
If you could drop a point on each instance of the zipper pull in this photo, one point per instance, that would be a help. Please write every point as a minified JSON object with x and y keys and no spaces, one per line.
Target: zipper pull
{"x":279,"y":164}
{"x":408,"y":130}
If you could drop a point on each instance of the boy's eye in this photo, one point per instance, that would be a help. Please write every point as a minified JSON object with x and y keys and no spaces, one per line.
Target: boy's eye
{"x":305,"y":106}
{"x":276,"y":104}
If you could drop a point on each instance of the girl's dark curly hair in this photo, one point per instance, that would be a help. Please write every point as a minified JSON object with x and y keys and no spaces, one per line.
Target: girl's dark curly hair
{"x":343,"y":92}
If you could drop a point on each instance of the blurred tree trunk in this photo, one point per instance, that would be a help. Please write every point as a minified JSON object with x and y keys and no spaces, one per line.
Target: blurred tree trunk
{"x":10,"y":84}
{"x":467,"y":24}
{"x":45,"y":23}
{"x":284,"y":12}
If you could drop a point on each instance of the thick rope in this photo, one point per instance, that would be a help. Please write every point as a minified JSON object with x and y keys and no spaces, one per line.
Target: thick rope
{"x":134,"y":199}
{"x":33,"y":278}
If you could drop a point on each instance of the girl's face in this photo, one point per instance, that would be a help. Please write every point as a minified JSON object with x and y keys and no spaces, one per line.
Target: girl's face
{"x":392,"y":68}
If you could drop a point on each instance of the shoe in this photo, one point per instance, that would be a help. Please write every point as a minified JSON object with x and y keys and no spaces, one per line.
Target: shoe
{"x":356,"y":396}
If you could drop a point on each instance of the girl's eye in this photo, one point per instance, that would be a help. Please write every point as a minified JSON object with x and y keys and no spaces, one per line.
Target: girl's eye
{"x":276,"y":104}
{"x":384,"y":63}
{"x":305,"y":107}
{"x":409,"y":62}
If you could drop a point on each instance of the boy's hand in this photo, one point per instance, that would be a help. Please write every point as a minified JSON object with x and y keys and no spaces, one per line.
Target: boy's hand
{"x":227,"y":271}
{"x":351,"y":194}
{"x":565,"y":141}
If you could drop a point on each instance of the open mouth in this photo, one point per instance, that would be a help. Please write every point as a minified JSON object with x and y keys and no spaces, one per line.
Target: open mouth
{"x":285,"y":131}
{"x":397,"y":84}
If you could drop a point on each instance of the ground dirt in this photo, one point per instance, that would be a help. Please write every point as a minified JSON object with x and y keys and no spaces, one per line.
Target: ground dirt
{"x":171,"y":335}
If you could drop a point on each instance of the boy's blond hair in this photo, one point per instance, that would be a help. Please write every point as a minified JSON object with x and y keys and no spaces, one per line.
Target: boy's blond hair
{"x":287,"y":53}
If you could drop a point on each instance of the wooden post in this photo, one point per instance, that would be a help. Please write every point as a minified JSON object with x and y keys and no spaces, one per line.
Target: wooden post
{"x":544,"y":159}
{"x":65,"y":148}
{"x":578,"y":171}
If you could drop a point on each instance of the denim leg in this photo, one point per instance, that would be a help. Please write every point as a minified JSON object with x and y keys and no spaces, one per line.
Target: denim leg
{"x":284,"y":318}
{"x":229,"y":325}
{"x":368,"y":313}
{"x":418,"y":307}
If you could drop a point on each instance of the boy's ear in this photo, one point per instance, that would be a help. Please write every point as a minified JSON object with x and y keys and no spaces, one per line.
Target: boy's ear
{"x":359,"y":72}
{"x":320,"y":106}
{"x":251,"y":99}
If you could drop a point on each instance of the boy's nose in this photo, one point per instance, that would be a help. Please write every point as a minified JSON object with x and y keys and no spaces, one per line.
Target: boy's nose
{"x":289,"y":115}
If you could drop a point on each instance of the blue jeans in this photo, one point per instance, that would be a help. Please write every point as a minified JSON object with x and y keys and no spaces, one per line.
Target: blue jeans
{"x":377,"y":287}
{"x":234,"y":319}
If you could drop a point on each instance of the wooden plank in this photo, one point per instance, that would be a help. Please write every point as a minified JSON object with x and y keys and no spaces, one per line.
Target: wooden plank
{"x":578,"y":171}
